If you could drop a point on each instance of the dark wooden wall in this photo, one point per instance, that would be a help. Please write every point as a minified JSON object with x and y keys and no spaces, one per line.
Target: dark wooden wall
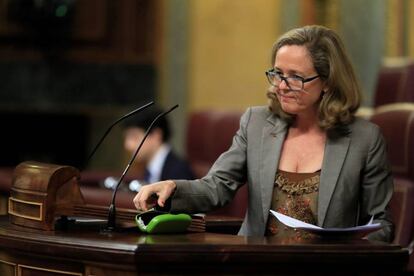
{"x":73,"y":59}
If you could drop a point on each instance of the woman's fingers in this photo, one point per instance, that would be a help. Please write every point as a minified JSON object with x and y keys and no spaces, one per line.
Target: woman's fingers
{"x":145,"y":199}
{"x":165,"y":193}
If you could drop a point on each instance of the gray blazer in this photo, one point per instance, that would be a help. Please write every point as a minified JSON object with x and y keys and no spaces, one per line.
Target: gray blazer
{"x":355,"y":182}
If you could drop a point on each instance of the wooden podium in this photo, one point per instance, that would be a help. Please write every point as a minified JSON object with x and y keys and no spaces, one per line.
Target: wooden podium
{"x":82,"y":249}
{"x":30,"y":243}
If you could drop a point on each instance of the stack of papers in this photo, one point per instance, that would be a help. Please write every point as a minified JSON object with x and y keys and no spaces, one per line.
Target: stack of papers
{"x":357,"y":231}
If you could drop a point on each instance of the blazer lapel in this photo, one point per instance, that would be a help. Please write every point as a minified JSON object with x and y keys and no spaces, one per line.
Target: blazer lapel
{"x":273,"y":136}
{"x":334,"y":156}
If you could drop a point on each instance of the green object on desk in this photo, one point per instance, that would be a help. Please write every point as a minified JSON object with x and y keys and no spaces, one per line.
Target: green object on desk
{"x":156,"y":222}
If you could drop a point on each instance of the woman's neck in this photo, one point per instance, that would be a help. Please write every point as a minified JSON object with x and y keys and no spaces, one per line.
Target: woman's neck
{"x":306,"y":123}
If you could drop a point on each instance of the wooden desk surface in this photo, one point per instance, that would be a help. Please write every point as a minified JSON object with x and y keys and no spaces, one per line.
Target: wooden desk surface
{"x":195,"y":253}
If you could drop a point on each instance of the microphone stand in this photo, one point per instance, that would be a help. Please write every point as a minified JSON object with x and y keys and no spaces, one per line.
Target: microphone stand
{"x":111,"y":225}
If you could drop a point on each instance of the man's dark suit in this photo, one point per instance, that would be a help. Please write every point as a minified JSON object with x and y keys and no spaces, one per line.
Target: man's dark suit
{"x":176,"y":168}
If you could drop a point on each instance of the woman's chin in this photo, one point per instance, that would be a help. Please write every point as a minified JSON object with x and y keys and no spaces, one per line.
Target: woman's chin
{"x":291,"y":108}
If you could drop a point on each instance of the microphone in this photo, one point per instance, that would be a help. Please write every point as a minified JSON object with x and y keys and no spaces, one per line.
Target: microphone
{"x":114,"y":123}
{"x":112,"y":210}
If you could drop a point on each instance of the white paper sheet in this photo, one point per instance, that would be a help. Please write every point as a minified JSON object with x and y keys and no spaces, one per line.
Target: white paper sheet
{"x":294,"y":223}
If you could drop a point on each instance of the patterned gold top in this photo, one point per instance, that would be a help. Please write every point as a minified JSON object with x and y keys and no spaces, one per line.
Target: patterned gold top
{"x":294,"y":195}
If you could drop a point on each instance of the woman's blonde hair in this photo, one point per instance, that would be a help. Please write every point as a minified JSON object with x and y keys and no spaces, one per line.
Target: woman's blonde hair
{"x":342,"y":98}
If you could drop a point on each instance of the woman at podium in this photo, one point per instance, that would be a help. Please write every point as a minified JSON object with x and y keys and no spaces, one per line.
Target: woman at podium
{"x":305,"y":154}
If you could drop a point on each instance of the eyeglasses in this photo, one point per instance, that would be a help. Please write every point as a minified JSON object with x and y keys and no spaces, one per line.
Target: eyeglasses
{"x":295,"y":83}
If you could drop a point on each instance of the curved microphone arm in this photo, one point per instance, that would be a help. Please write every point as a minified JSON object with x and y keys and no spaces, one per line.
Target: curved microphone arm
{"x":114,"y":123}
{"x":112,"y":210}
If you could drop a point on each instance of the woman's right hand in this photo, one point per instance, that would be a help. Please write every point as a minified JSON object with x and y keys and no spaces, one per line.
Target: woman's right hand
{"x":145,"y":199}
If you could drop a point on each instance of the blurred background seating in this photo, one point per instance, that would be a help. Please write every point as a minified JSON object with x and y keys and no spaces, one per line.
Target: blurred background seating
{"x":397,"y":125}
{"x":210,"y":133}
{"x":395,"y":83}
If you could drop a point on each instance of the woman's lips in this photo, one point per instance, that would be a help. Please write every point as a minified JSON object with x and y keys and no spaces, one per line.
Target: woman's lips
{"x":286,"y":98}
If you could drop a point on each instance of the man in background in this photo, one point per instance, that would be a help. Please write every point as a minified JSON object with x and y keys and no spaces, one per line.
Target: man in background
{"x":156,"y":157}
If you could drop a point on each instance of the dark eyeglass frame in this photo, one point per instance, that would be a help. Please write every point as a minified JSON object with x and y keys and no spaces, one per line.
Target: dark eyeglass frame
{"x":271,"y":74}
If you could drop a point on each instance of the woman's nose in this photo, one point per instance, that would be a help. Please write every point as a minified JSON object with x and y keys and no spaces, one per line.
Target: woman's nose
{"x":283,"y":85}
